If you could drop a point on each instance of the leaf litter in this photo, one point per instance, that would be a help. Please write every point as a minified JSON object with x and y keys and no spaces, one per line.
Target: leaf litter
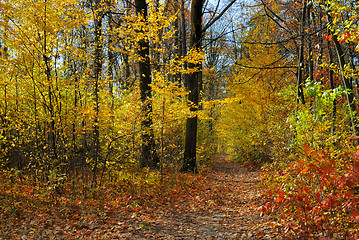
{"x":221,"y":203}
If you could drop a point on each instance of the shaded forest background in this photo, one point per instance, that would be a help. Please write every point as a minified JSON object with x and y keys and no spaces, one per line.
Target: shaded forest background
{"x":96,"y":92}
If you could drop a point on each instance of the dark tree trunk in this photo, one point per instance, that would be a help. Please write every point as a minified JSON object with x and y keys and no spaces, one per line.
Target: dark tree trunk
{"x":310,"y":50}
{"x":149,"y":156}
{"x":98,"y":15}
{"x":193,"y":80}
{"x":52,"y":138}
{"x":300,"y":81}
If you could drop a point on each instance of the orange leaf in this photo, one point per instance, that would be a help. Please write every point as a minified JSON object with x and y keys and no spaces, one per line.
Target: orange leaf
{"x":357,"y":219}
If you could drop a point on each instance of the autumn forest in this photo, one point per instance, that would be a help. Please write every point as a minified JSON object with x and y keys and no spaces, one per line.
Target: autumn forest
{"x":190,"y":119}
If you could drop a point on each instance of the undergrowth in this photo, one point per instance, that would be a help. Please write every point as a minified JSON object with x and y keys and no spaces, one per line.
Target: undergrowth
{"x":125,"y":194}
{"x":316,"y":196}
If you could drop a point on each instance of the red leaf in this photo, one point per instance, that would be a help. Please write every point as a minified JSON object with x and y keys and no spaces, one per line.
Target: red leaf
{"x":353,"y":138}
{"x":327,"y":37}
{"x":356,"y":219}
{"x":281,"y":193}
{"x":326,"y":202}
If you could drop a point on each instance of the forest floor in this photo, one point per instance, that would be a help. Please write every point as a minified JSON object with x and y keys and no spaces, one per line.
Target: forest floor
{"x":221,"y":204}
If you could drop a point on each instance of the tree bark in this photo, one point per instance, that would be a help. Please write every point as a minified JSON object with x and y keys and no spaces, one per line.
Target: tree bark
{"x":98,"y":15}
{"x":300,"y":81}
{"x":193,"y":79}
{"x":149,"y":157}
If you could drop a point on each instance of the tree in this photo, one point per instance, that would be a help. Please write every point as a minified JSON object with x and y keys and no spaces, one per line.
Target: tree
{"x":189,"y":161}
{"x":149,"y":156}
{"x":194,"y":81}
{"x":98,"y":16}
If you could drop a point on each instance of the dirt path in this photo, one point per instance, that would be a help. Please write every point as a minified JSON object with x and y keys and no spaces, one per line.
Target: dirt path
{"x":226,"y":209}
{"x":221,"y":204}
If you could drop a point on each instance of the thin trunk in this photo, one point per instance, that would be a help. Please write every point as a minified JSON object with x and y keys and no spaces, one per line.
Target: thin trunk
{"x":97,"y":77}
{"x":331,"y":82}
{"x":310,"y":50}
{"x":74,"y":145}
{"x":52,"y":137}
{"x":346,"y":81}
{"x":183,"y":39}
{"x":111,"y":61}
{"x":300,"y":80}
{"x":178,"y":47}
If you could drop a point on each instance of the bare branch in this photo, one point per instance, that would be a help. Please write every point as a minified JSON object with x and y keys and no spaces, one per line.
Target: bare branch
{"x":218,"y":17}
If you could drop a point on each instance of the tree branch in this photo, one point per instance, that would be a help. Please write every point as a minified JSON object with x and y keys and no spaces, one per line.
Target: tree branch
{"x":218,"y":17}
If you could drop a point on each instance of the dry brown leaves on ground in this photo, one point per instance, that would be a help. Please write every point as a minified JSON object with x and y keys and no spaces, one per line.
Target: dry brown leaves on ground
{"x":219,"y":204}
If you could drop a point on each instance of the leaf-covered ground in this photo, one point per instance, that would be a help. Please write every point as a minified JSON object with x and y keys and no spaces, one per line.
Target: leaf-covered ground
{"x":222,"y":203}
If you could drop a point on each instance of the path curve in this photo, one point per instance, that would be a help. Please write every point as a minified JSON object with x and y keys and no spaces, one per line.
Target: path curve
{"x":230,"y":209}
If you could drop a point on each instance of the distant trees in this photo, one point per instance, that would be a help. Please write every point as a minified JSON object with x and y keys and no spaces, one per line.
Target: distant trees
{"x":315,"y":54}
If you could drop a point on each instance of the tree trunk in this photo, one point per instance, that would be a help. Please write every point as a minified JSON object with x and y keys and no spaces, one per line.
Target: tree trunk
{"x":300,"y":81}
{"x":149,"y":156}
{"x":52,"y":137}
{"x":346,"y":81}
{"x":111,"y":61}
{"x":331,"y":81}
{"x":193,"y":80}
{"x":97,"y":76}
{"x":178,"y":48}
{"x":183,"y":40}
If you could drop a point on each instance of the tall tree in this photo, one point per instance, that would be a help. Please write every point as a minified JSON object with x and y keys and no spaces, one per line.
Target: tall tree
{"x":98,"y":16}
{"x":149,"y":157}
{"x":189,"y":163}
{"x":193,"y":80}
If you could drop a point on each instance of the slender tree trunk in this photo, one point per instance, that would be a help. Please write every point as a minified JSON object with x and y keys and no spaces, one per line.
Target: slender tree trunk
{"x":331,"y":82}
{"x":74,"y":145}
{"x":310,"y":50}
{"x":300,"y":81}
{"x":178,"y":48}
{"x":346,"y":81}
{"x":111,"y":61}
{"x":189,"y":163}
{"x":183,"y":40}
{"x":50,"y":94}
{"x":149,"y":157}
{"x":97,"y":77}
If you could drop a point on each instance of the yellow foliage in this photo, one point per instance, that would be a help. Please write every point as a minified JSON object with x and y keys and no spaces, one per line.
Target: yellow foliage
{"x":251,"y":126}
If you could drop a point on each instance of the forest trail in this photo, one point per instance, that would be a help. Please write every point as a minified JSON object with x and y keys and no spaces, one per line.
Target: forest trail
{"x":222,"y":203}
{"x":226,"y":209}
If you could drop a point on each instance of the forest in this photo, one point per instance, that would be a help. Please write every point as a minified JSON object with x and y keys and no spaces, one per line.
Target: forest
{"x":189,"y":119}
